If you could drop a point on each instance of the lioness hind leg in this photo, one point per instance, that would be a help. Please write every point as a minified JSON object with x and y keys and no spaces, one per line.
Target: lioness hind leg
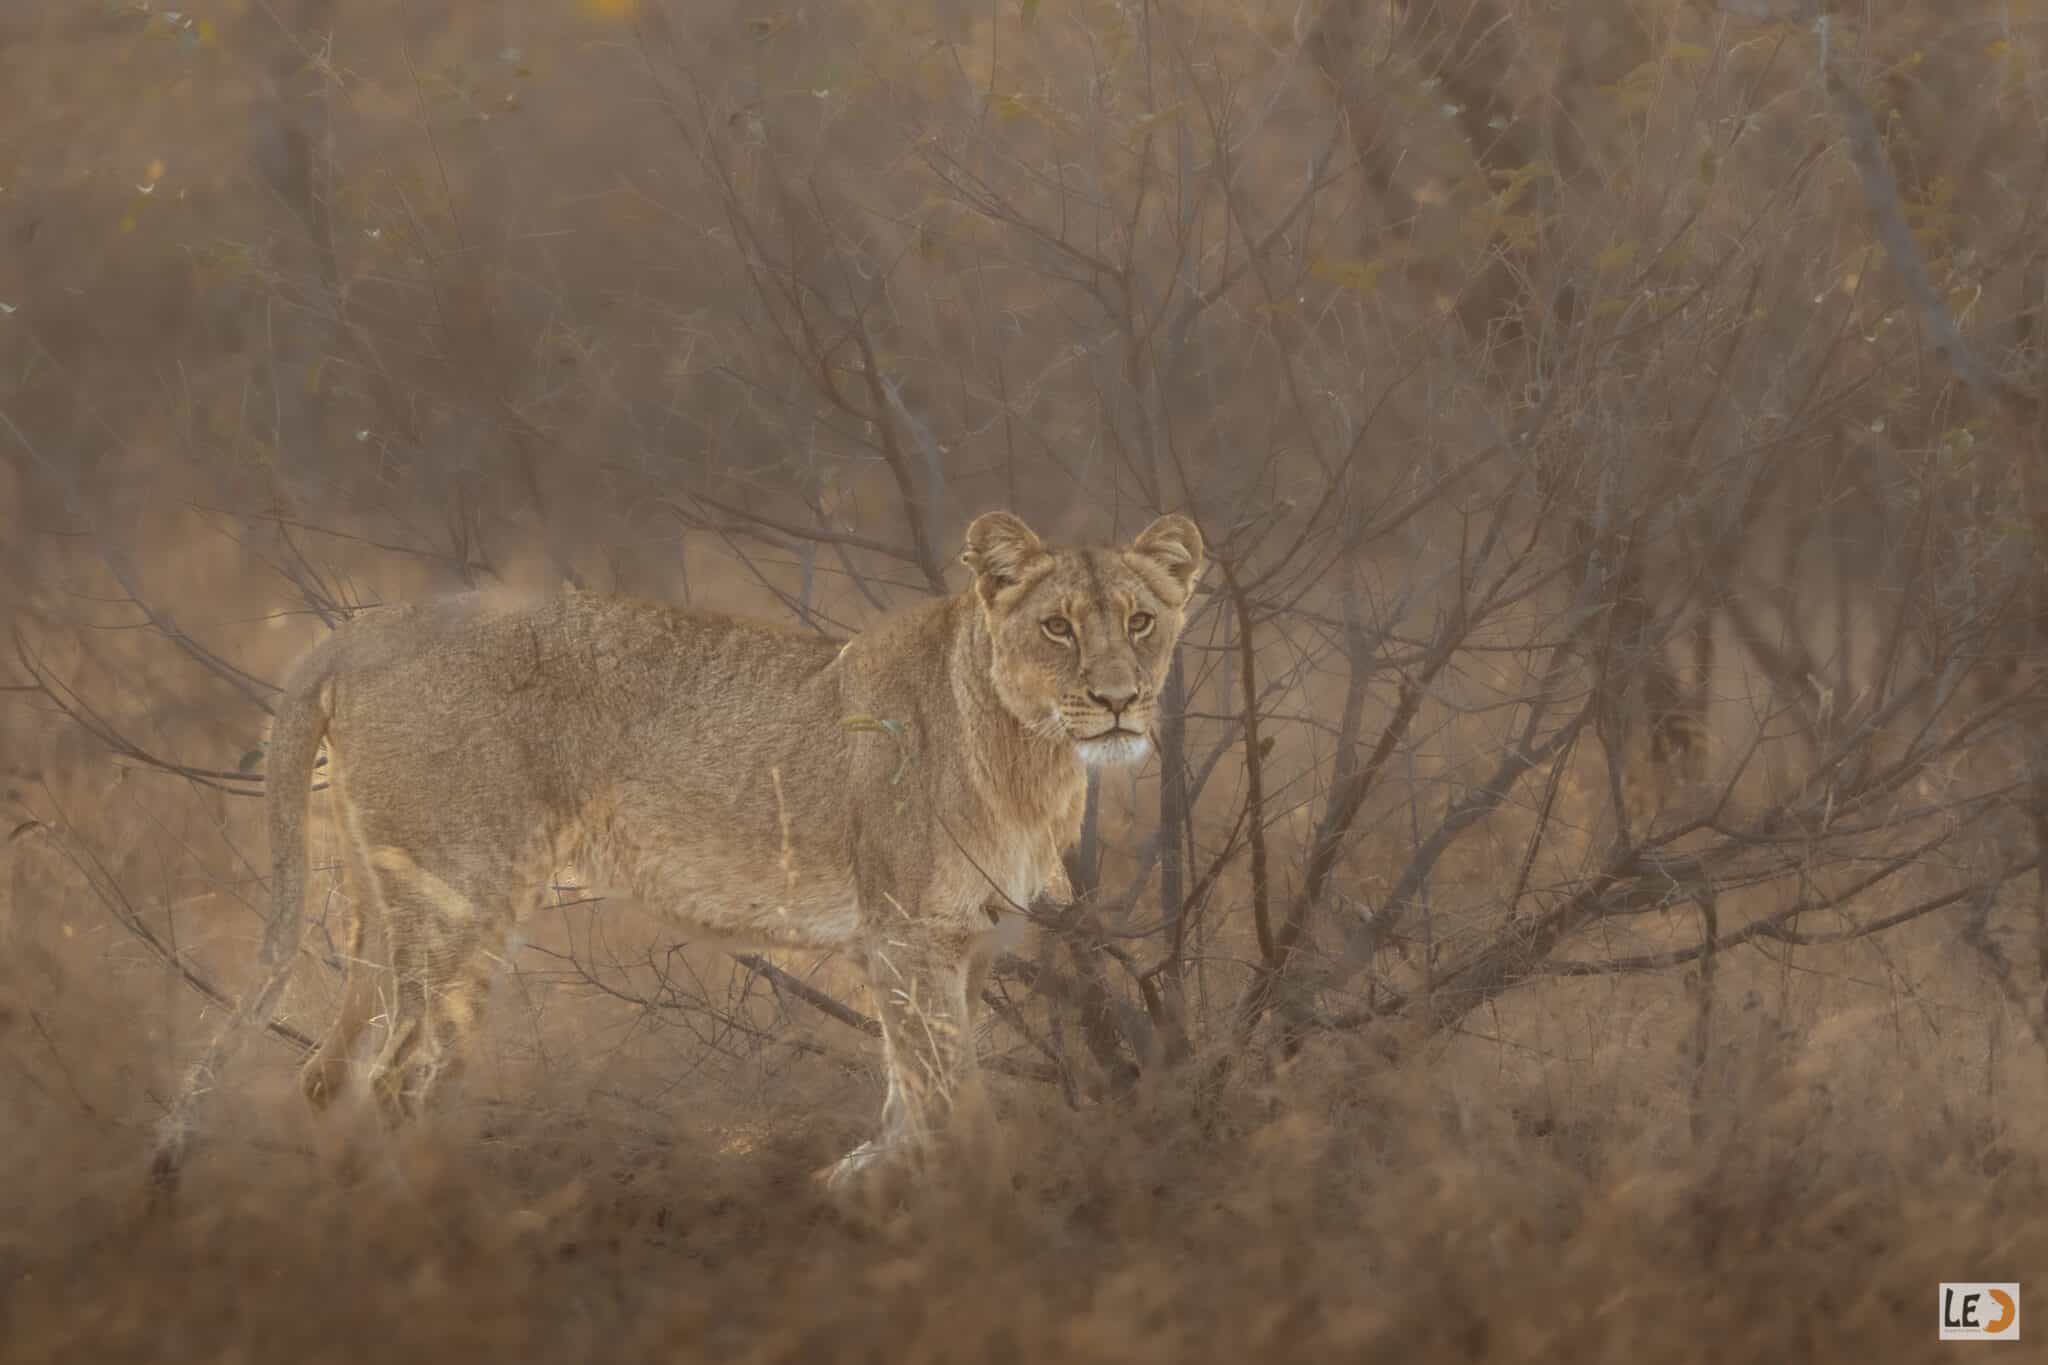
{"x":326,"y":1072}
{"x":438,"y":1000}
{"x":436,"y":937}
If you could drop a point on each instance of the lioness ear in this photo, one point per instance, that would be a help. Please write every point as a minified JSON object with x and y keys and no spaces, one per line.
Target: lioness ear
{"x":999,"y":549}
{"x":1174,"y":547}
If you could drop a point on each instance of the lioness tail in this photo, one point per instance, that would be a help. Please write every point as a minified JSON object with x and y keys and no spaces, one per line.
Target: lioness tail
{"x":295,"y":735}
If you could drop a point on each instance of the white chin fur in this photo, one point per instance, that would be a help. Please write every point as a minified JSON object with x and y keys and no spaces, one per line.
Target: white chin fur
{"x":1115,"y":751}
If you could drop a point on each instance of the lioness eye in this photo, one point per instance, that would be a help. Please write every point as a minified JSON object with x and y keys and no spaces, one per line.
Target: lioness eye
{"x":1057,"y":628}
{"x":1140,"y":623}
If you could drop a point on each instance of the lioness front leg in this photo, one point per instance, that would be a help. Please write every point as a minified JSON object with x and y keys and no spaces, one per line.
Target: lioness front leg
{"x":920,"y":983}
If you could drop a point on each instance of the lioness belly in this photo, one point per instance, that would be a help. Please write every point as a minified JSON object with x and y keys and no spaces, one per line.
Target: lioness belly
{"x":712,"y":890}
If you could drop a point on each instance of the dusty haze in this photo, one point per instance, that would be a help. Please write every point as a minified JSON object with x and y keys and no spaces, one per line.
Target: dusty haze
{"x":1589,"y":899}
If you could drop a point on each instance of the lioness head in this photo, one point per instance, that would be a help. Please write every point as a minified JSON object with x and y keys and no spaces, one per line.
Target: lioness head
{"x":1083,"y":636}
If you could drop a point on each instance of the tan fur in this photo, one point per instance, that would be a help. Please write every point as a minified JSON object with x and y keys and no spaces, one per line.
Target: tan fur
{"x":751,"y":783}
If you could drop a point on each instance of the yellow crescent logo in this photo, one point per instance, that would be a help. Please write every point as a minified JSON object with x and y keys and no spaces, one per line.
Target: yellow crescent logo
{"x":2007,"y":1311}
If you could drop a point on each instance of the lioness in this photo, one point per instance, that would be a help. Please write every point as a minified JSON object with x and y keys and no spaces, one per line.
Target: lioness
{"x":753,"y":783}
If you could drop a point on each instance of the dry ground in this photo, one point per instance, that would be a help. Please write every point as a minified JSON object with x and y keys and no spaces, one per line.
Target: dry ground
{"x":1466,"y":1205}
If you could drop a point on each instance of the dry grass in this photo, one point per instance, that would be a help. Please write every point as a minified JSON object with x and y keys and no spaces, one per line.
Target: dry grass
{"x":1474,"y":1203}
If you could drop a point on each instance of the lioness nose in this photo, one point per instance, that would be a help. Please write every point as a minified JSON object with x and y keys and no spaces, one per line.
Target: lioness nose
{"x":1113,"y":699}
